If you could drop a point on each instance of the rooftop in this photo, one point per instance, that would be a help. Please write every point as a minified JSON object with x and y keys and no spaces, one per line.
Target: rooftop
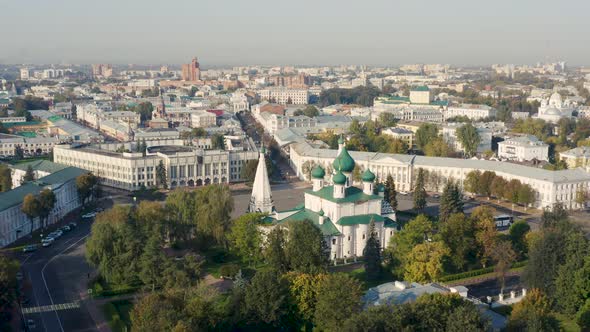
{"x":352,"y":194}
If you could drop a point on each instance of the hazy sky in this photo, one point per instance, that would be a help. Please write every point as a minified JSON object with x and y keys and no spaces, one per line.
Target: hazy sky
{"x":220,"y":32}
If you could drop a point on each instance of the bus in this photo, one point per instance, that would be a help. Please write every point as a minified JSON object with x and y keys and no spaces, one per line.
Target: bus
{"x":503,"y":221}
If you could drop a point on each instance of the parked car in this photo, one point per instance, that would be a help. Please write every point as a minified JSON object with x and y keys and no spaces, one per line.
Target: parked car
{"x":72,"y":225}
{"x":30,"y":248}
{"x":47,"y":241}
{"x":31,"y":324}
{"x":89,"y":215}
{"x":66,"y":228}
{"x":19,"y":276}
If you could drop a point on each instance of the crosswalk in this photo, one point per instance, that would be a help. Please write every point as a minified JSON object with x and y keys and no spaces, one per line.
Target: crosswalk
{"x":52,"y":307}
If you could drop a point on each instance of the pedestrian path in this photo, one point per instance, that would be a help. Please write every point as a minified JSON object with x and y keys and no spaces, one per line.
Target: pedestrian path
{"x":52,"y":307}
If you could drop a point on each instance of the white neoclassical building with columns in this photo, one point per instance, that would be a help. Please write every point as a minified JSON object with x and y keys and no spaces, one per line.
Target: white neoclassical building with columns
{"x":550,"y":187}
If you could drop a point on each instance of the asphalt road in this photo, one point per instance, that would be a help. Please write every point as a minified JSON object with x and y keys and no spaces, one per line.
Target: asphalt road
{"x":58,"y":275}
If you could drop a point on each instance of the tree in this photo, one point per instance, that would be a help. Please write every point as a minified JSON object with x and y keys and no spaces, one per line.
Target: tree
{"x":486,"y":233}
{"x":504,"y":256}
{"x":485,"y":183}
{"x":155,"y":312}
{"x":413,"y":233}
{"x":469,"y":138}
{"x":29,"y":175}
{"x":215,"y":204}
{"x":572,"y":282}
{"x":245,"y":238}
{"x":447,"y":312}
{"x":533,"y":313}
{"x":372,"y":254}
{"x":305,"y":248}
{"x":19,"y":154}
{"x":390,"y":195}
{"x":582,"y":197}
{"x":217,"y":142}
{"x":419,"y":191}
{"x":86,"y":185}
{"x":303,"y":288}
{"x":471,"y":183}
{"x":31,"y":208}
{"x":426,"y":262}
{"x":450,"y":201}
{"x":47,"y":201}
{"x":518,"y":231}
{"x":458,"y":233}
{"x":545,"y":257}
{"x":310,"y":111}
{"x":8,"y":284}
{"x":425,"y":134}
{"x":5,"y":178}
{"x":151,"y":262}
{"x":267,"y":299}
{"x":497,"y":187}
{"x":161,"y":176}
{"x":387,"y":120}
{"x":274,"y":251}
{"x":338,"y":298}
{"x":145,"y":110}
{"x":437,"y":147}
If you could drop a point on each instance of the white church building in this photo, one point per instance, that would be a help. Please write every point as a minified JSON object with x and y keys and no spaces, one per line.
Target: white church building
{"x":553,"y":109}
{"x":340,"y":210}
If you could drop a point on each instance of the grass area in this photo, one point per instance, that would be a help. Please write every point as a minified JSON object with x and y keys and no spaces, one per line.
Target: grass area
{"x":118,"y":316}
{"x":567,"y":324}
{"x":361,"y":275}
{"x":504,"y":310}
{"x":101,"y":288}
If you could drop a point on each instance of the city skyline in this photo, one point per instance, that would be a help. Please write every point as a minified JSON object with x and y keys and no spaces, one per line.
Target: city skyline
{"x":327,"y":33}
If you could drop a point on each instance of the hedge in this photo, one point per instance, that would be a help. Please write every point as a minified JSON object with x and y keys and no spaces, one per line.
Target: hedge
{"x":475,"y":273}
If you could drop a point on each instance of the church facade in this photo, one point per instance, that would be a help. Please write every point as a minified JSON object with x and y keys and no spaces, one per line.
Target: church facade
{"x":341,"y":211}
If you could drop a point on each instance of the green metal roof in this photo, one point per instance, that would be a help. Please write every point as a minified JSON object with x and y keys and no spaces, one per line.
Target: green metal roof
{"x":27,"y":123}
{"x":327,"y":228}
{"x":41,"y":165}
{"x":28,"y":134}
{"x":15,"y":196}
{"x":318,"y":172}
{"x":54,"y":118}
{"x":352,"y":194}
{"x":368,"y":176}
{"x":421,"y":88}
{"x":365,"y":219}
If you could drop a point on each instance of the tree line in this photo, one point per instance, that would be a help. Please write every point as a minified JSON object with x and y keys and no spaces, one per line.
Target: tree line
{"x":489,"y":184}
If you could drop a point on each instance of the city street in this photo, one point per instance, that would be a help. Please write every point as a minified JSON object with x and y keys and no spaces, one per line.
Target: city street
{"x":58,"y":275}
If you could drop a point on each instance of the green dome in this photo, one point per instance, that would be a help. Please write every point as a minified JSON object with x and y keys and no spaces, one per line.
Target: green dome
{"x":321,"y":213}
{"x":339,"y":178}
{"x":368,"y":176}
{"x":318,"y":172}
{"x":380,"y":188}
{"x":340,"y":140}
{"x":346,"y":162}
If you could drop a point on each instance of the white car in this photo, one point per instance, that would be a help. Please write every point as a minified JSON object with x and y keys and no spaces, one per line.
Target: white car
{"x":89,"y":215}
{"x":47,"y":242}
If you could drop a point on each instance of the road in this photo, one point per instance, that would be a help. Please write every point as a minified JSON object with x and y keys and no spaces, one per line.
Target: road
{"x":58,"y":275}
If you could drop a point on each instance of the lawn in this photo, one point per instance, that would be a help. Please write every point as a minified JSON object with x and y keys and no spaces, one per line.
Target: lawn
{"x":360,"y":274}
{"x":117,"y":314}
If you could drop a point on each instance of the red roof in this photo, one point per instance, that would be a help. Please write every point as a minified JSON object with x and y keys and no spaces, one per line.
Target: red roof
{"x":216,"y":112}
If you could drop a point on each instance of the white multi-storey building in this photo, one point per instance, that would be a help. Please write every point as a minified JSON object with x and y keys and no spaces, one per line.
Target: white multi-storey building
{"x":29,"y":145}
{"x":92,"y":116}
{"x":523,"y":148}
{"x":473,"y":112}
{"x":203,"y":119}
{"x":14,"y":224}
{"x":285,"y":96}
{"x":550,"y":187}
{"x":185,"y":165}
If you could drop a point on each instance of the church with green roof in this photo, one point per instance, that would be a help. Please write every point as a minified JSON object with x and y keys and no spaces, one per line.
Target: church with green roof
{"x":341,"y":210}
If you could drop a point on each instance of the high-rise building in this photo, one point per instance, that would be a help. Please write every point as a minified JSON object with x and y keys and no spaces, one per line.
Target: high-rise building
{"x":102,"y":70}
{"x":25,"y":74}
{"x":191,"y":71}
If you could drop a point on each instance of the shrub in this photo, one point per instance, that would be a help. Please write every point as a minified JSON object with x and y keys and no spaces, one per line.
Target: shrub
{"x":229,"y":270}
